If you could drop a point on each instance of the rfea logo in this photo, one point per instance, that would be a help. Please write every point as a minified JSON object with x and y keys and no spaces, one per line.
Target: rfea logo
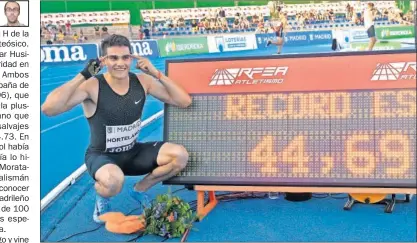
{"x":248,"y":76}
{"x":394,"y":71}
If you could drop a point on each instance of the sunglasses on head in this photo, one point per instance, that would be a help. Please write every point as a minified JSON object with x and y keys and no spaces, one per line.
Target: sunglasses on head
{"x":116,"y":57}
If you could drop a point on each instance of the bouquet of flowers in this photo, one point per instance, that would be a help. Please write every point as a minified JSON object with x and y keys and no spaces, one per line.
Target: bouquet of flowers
{"x":168,"y":216}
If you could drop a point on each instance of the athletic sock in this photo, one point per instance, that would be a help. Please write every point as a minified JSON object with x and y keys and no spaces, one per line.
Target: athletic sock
{"x":101,"y":206}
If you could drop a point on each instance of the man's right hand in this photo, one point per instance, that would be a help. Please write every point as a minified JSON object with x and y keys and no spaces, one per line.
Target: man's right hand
{"x":92,"y":68}
{"x":73,"y":92}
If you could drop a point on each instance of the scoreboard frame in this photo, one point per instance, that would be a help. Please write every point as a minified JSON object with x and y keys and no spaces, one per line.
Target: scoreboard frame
{"x":235,"y":182}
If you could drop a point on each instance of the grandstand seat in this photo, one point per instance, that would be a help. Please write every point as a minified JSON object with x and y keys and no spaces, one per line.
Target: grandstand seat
{"x":340,"y":20}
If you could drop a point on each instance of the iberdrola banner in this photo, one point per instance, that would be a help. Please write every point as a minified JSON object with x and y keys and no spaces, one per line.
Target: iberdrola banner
{"x":395,"y":32}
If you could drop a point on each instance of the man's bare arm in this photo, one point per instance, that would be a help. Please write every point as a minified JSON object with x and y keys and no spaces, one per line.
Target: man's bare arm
{"x":167,"y":91}
{"x":66,"y":96}
{"x":73,"y":92}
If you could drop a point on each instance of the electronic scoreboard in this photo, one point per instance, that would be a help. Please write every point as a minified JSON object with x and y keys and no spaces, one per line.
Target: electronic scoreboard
{"x":346,"y":120}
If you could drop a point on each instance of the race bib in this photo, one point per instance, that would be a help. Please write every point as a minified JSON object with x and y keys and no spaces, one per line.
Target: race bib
{"x":122,"y":138}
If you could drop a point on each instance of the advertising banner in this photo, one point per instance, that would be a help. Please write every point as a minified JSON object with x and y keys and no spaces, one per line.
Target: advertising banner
{"x":358,"y":35}
{"x":395,"y":32}
{"x":68,"y":53}
{"x":262,"y":39}
{"x":303,"y":38}
{"x":145,"y":48}
{"x":289,"y":74}
{"x":182,"y":46}
{"x":231,"y":43}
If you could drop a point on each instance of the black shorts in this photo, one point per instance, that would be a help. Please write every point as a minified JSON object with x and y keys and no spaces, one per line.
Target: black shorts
{"x":140,"y":160}
{"x":371,"y":31}
{"x":279,"y":34}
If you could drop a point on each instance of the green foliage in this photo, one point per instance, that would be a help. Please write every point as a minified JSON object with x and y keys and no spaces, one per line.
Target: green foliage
{"x":169,"y":216}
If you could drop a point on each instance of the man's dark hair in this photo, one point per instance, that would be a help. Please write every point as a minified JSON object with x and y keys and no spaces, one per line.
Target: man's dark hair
{"x":11,"y":1}
{"x":115,"y":40}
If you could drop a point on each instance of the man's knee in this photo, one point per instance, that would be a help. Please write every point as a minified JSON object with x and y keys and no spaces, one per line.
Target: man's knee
{"x":110,"y":179}
{"x":181,"y":157}
{"x":174,"y":154}
{"x":178,"y":156}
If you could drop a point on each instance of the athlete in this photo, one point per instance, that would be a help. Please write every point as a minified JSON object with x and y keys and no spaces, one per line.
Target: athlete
{"x":279,"y":32}
{"x":113,"y":104}
{"x":369,"y":21}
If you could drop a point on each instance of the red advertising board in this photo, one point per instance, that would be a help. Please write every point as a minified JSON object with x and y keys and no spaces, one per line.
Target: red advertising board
{"x":326,"y":73}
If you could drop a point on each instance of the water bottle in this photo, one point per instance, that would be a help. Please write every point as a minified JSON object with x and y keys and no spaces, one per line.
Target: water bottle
{"x":273,"y":195}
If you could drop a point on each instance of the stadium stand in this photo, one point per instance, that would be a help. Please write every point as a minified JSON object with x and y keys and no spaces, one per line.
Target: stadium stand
{"x":160,"y":23}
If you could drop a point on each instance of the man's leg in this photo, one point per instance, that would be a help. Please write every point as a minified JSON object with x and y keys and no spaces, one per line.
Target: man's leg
{"x":158,"y":161}
{"x":109,"y":181}
{"x":372,"y":39}
{"x":280,"y":43}
{"x":372,"y":42}
{"x":171,"y":160}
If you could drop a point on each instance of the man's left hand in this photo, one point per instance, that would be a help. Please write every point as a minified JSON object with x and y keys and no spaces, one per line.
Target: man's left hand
{"x":146,"y":66}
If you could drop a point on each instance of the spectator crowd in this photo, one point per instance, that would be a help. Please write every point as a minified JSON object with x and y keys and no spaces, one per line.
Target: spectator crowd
{"x":60,"y":33}
{"x":219,"y":21}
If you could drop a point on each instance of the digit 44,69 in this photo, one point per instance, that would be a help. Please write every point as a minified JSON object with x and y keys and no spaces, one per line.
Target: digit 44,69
{"x":392,"y":148}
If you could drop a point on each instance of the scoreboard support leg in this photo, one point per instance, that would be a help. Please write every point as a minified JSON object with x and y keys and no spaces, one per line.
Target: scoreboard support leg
{"x":389,"y":203}
{"x":203,"y":210}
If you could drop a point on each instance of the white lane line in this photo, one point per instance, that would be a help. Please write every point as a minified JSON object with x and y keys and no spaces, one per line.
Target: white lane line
{"x":144,"y":123}
{"x":62,"y":123}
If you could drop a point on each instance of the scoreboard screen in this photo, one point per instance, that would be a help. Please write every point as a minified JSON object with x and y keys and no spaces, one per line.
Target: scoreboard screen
{"x":347,"y":119}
